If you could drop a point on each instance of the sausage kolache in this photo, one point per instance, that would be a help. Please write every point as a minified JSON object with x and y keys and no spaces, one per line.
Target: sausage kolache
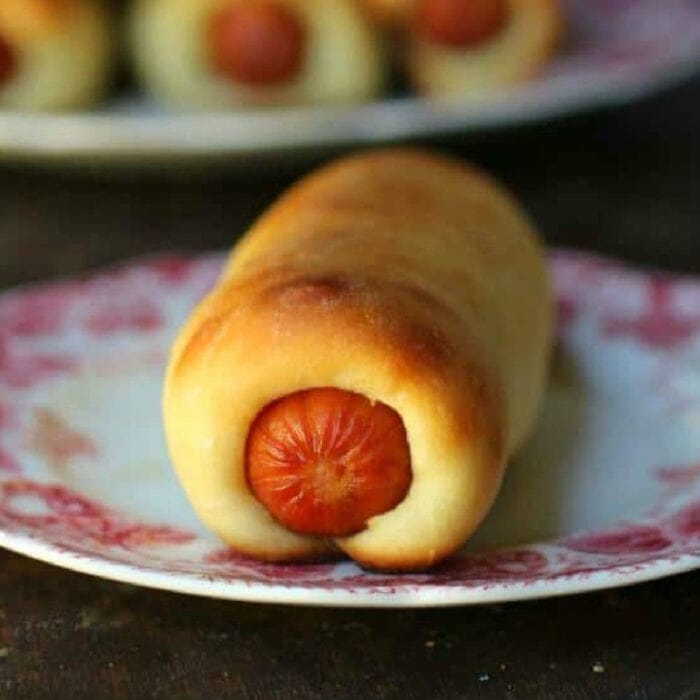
{"x":228,"y":54}
{"x":375,"y":350}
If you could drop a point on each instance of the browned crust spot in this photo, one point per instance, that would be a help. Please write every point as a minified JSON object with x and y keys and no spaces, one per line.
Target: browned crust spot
{"x":310,"y":291}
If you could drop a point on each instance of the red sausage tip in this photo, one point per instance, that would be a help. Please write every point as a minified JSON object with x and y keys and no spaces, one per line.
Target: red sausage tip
{"x":258,"y":43}
{"x":324,"y":461}
{"x":461,"y":23}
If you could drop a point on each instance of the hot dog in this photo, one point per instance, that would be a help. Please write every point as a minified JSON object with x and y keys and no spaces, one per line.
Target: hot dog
{"x":468,"y":48}
{"x":54,"y":54}
{"x":258,"y":43}
{"x":207,"y":54}
{"x":324,"y":461}
{"x":461,"y":24}
{"x":374,"y":352}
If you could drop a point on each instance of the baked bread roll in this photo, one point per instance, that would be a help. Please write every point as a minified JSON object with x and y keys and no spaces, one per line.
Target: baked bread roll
{"x":373,"y":353}
{"x":470,"y":48}
{"x":54,"y":54}
{"x":209,"y":54}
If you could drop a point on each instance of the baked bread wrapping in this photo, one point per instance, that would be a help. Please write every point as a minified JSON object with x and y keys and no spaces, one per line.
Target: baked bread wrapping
{"x":54,"y":54}
{"x":400,"y":278}
{"x":222,"y":54}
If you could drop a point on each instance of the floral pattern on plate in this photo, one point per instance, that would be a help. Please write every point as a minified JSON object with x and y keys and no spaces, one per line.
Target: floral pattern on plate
{"x":607,"y":492}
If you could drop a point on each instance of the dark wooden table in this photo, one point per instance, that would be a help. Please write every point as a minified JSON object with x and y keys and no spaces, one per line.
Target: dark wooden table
{"x":624,"y":183}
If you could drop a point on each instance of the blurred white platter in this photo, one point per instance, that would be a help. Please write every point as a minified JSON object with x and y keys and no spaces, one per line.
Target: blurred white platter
{"x":616,"y":51}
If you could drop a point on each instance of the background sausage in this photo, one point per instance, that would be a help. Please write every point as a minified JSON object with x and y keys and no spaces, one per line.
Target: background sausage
{"x":324,"y":461}
{"x":460,"y":23}
{"x":257,"y":43}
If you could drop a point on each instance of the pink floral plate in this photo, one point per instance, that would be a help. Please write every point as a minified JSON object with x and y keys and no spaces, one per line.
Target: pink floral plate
{"x":614,"y":52}
{"x":606,"y":493}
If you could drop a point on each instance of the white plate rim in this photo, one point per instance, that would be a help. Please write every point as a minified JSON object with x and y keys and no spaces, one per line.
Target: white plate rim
{"x":423,"y":596}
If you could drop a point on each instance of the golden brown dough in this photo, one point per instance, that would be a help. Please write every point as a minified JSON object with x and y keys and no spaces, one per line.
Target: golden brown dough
{"x":388,"y":13}
{"x":408,"y":278}
{"x":55,"y":54}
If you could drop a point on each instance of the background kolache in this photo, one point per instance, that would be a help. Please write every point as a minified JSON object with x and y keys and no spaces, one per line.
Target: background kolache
{"x":235,"y":54}
{"x":55,"y":54}
{"x":217,"y":54}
